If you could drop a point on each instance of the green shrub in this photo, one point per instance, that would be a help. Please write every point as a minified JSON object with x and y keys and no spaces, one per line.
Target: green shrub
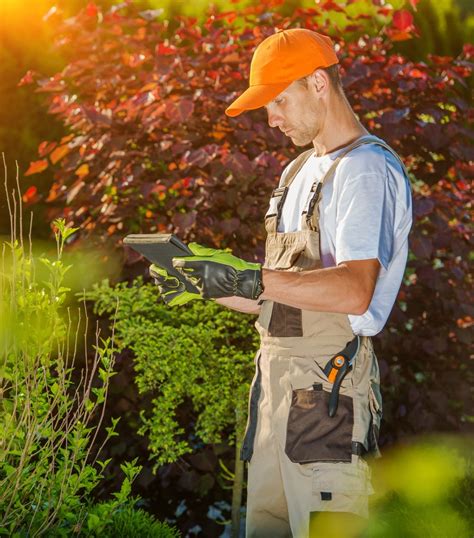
{"x":50,"y":409}
{"x":130,"y":522}
{"x":119,"y":517}
{"x":200,"y":354}
{"x":46,"y":462}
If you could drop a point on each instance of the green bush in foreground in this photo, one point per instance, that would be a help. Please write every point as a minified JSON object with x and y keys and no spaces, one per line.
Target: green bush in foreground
{"x":200,"y":354}
{"x":131,"y":522}
{"x":47,"y":463}
{"x":119,"y":518}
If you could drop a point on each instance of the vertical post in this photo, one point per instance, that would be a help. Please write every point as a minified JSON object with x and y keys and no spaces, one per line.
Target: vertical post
{"x":238,"y":484}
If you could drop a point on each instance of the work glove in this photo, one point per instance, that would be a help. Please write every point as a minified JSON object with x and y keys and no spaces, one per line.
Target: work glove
{"x":217,"y":273}
{"x":172,"y":290}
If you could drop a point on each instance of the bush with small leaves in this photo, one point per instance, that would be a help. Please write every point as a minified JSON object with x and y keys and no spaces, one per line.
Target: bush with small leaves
{"x":200,"y":354}
{"x":130,"y":522}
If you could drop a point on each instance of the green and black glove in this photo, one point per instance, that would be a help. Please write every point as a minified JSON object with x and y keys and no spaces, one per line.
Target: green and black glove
{"x":172,"y":290}
{"x":217,"y":273}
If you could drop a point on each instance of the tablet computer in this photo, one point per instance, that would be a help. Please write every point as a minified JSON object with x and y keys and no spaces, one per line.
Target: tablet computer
{"x":160,"y":249}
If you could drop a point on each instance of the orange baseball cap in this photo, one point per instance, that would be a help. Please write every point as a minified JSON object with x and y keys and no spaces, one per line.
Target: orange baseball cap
{"x":278,"y":61}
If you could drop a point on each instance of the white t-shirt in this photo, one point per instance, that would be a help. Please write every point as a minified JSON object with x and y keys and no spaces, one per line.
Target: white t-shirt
{"x":365,"y":212}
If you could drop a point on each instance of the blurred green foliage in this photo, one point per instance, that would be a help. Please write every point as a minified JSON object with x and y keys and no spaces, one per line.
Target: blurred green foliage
{"x":444,"y":27}
{"x":425,"y":490}
{"x":51,"y":275}
{"x":199,"y":355}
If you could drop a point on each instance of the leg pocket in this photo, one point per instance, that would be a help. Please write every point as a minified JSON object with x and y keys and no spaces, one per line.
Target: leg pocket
{"x":314,"y":436}
{"x":342,"y":487}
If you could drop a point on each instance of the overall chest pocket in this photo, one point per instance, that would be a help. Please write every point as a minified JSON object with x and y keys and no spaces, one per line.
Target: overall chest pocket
{"x":283,"y":259}
{"x":294,"y":251}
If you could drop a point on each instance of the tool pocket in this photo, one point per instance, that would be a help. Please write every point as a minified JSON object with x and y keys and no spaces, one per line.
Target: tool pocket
{"x":342,"y":487}
{"x":311,"y":434}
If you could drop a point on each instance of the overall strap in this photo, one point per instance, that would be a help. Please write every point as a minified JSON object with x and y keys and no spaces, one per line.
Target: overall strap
{"x":279,"y":194}
{"x":317,"y":186}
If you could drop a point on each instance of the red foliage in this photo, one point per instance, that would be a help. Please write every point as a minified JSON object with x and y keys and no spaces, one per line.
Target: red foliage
{"x":403,"y":26}
{"x":402,"y":20}
{"x":151,"y":150}
{"x":31,"y":195}
{"x":36,"y":167}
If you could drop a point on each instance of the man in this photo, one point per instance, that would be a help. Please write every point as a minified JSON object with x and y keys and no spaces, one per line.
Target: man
{"x":335,"y":255}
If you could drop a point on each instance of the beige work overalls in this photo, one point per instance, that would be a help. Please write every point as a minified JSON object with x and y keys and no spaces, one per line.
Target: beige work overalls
{"x":302,"y":460}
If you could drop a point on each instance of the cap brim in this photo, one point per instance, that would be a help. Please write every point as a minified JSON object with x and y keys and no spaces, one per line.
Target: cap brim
{"x":255,"y":97}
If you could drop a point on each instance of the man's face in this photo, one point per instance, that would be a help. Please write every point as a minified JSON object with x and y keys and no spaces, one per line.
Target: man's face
{"x":298,"y":112}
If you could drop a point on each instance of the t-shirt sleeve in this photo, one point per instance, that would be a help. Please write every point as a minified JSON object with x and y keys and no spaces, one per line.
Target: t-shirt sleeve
{"x":365,"y":219}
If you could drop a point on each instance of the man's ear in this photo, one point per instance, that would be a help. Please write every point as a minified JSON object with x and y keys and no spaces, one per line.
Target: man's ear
{"x":320,"y":80}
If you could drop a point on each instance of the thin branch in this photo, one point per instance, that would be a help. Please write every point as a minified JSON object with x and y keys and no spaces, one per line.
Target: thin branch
{"x":20,"y":200}
{"x":7,"y":195}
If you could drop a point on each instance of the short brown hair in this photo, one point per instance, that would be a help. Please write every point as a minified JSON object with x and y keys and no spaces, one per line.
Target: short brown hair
{"x":333,"y":75}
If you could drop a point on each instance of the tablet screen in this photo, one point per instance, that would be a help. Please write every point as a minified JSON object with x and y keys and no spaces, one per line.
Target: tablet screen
{"x":160,"y":249}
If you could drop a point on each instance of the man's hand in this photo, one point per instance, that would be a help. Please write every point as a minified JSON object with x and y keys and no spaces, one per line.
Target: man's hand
{"x":217,"y":273}
{"x":172,"y":290}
